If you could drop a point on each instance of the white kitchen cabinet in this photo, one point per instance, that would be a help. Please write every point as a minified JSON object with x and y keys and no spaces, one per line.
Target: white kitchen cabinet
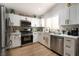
{"x":37,"y":36}
{"x":77,"y":21}
{"x":73,"y":14}
{"x":68,"y":15}
{"x":64,"y":16}
{"x":33,"y":22}
{"x":14,"y":19}
{"x":15,"y":39}
{"x":45,"y":40}
{"x":69,"y":47}
{"x":36,"y":22}
{"x":43,"y":22}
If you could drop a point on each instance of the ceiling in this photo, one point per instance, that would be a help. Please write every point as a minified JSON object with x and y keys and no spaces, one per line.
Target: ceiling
{"x":30,"y":9}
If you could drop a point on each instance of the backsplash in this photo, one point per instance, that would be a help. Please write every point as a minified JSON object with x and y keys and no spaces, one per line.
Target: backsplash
{"x":70,"y":30}
{"x":35,"y":29}
{"x":69,"y":27}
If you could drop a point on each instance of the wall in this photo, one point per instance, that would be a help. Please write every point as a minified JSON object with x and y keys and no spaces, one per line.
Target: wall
{"x":55,"y":10}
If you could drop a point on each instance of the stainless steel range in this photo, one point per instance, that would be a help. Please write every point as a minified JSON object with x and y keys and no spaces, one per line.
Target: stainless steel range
{"x":26,"y":32}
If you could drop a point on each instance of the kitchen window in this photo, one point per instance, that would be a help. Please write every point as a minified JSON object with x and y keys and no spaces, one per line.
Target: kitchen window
{"x":53,"y":22}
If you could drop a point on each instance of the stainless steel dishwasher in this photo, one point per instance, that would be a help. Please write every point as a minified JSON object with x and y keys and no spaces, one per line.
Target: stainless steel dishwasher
{"x":57,"y":44}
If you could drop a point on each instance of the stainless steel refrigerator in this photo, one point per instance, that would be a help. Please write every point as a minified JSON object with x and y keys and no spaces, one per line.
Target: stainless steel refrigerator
{"x":2,"y":31}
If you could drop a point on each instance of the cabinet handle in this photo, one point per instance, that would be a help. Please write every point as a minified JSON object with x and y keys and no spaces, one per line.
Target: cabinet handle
{"x":65,"y":21}
{"x":68,"y":46}
{"x":68,"y":40}
{"x":68,"y":54}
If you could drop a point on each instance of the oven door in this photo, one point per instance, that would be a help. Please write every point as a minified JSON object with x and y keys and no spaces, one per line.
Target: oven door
{"x":26,"y":39}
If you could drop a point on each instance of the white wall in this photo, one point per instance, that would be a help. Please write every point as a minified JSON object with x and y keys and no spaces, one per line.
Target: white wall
{"x":55,"y":10}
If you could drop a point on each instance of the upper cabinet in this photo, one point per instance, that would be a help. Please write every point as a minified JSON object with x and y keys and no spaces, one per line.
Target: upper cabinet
{"x":64,"y":16}
{"x":15,"y":19}
{"x":69,"y":15}
{"x":73,"y":14}
{"x":77,"y":21}
{"x":36,"y":22}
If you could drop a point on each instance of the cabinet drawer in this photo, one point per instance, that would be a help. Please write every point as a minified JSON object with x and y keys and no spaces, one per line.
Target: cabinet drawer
{"x":69,"y":42}
{"x":69,"y":47}
{"x":69,"y":52}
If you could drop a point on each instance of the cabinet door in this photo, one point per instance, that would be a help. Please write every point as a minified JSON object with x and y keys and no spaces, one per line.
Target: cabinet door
{"x":36,"y":22}
{"x":64,"y":17}
{"x":70,"y":15}
{"x":45,"y":40}
{"x":40,"y":37}
{"x":35,"y":37}
{"x":33,"y":22}
{"x":11,"y":40}
{"x":77,"y":21}
{"x":17,"y":41}
{"x":15,"y":19}
{"x":73,"y":14}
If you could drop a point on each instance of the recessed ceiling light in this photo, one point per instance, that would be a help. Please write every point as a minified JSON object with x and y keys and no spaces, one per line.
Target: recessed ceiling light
{"x":39,"y":8}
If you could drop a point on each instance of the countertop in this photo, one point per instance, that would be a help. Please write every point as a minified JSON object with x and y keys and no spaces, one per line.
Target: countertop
{"x":64,"y":35}
{"x":60,"y":35}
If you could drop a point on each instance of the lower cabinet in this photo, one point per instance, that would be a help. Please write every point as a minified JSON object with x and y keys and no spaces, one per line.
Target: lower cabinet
{"x":37,"y":36}
{"x":15,"y":40}
{"x":70,"y":48}
{"x":45,"y":39}
{"x":42,"y":37}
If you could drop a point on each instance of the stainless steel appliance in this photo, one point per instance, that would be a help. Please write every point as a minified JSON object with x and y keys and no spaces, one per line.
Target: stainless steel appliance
{"x":57,"y":44}
{"x":2,"y":30}
{"x":73,"y":32}
{"x":26,"y":38}
{"x":26,"y":32}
